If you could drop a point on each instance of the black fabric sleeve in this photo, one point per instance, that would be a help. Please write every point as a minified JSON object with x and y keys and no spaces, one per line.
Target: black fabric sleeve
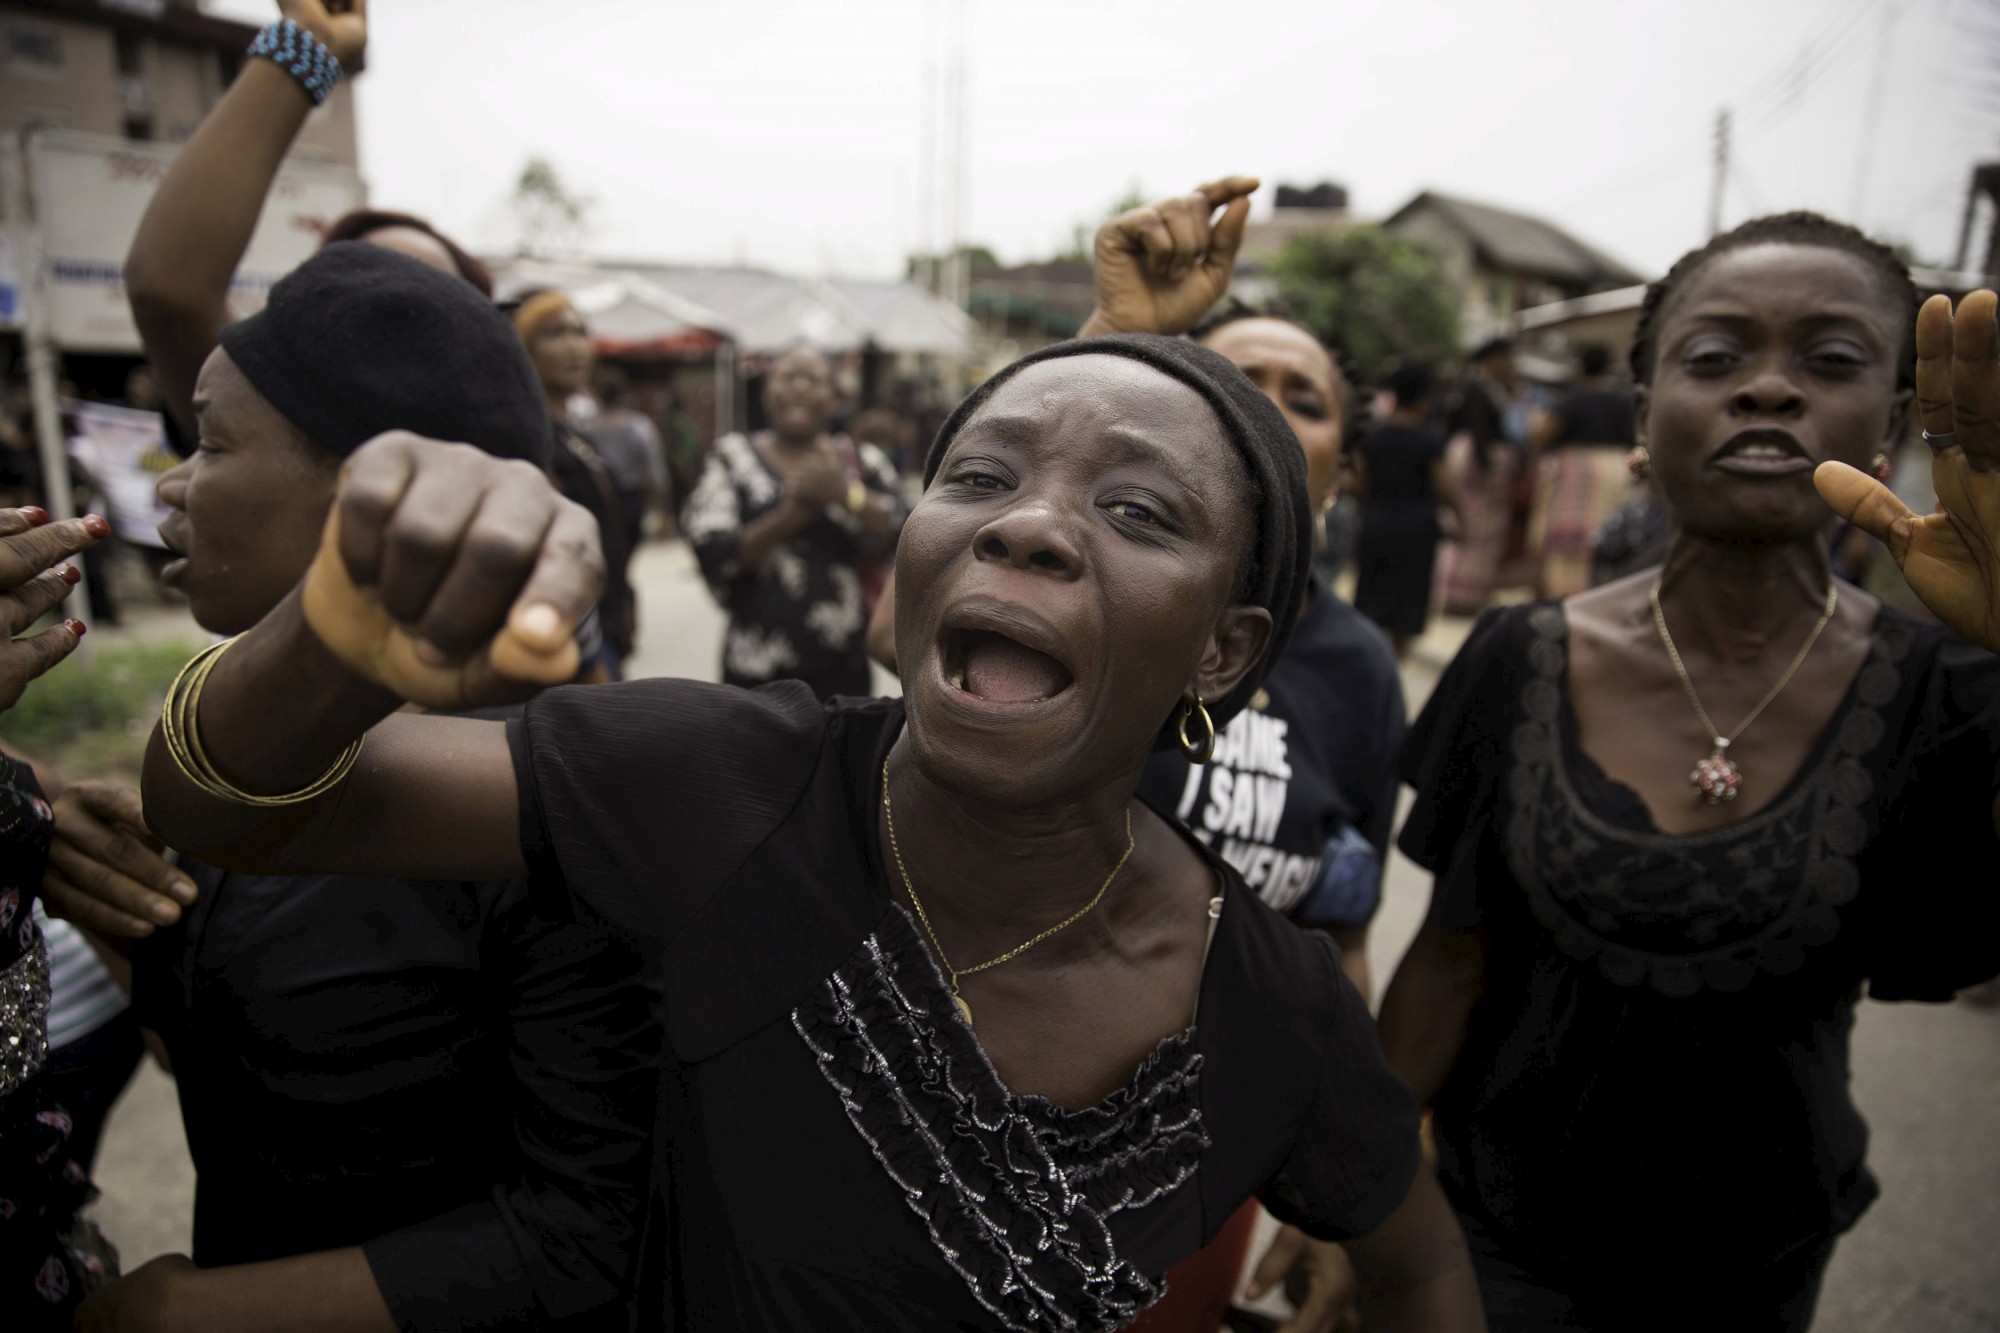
{"x":1356,"y":1150}
{"x":1935,"y":868}
{"x":553,"y":1246}
{"x":642,"y":798}
{"x":1455,"y":758}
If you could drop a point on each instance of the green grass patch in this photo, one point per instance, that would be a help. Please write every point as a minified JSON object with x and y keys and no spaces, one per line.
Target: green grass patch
{"x":92,"y":721}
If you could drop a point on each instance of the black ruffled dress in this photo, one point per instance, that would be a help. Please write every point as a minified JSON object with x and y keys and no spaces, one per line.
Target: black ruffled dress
{"x":836,"y":1152}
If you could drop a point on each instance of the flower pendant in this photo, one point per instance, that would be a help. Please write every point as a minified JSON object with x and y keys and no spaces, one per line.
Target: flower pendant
{"x":1715,"y":778}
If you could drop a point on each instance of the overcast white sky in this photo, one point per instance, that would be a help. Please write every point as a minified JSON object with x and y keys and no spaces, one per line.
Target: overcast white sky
{"x":791,"y":134}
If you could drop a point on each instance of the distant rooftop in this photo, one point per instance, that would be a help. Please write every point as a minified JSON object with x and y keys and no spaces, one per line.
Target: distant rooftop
{"x":1522,"y":243}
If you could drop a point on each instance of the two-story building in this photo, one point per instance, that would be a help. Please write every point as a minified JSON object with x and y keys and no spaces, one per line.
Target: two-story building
{"x":146,"y":70}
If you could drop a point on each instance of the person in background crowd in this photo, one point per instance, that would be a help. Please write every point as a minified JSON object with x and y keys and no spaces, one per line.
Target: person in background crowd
{"x":50,"y":1255}
{"x":1402,"y":482}
{"x":1679,"y":821}
{"x":409,"y":1104}
{"x":1582,"y":476}
{"x":791,"y":526}
{"x":1300,"y":792}
{"x":1486,"y":435}
{"x":558,"y":343}
{"x":632,"y":450}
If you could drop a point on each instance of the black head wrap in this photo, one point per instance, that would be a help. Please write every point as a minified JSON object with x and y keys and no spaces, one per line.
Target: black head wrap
{"x":359,"y":339}
{"x":1281,"y":547}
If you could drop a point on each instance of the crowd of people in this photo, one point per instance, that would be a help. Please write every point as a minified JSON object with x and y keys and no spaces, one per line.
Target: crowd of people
{"x":500,"y":992}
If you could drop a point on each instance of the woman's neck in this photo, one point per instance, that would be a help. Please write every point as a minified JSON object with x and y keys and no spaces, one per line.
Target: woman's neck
{"x":792,"y":444}
{"x":1733,"y":600}
{"x":558,"y":405}
{"x":989,"y":876}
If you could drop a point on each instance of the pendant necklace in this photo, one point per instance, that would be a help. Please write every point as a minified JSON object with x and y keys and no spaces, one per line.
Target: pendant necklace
{"x":954,"y":973}
{"x":1716,"y":779}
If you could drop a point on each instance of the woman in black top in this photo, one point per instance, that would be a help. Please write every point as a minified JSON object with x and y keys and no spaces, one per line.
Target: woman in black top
{"x":1114,"y":533}
{"x":410,"y":1105}
{"x":1402,"y":485}
{"x":1632,"y":999}
{"x":50,"y":1256}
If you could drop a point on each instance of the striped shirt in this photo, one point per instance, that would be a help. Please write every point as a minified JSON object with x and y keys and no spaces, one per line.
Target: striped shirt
{"x":82,"y":995}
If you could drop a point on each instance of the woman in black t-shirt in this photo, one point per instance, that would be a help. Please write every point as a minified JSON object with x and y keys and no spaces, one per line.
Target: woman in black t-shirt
{"x":960,"y":1036}
{"x":1632,"y":999}
{"x":1403,"y":486}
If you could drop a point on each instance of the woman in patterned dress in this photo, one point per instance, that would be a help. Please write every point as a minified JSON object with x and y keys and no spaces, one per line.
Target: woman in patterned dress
{"x":783,"y":522}
{"x":50,"y":1258}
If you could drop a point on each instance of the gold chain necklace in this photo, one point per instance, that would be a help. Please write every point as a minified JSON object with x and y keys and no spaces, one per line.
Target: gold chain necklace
{"x":964,"y":1009}
{"x":1716,"y":779}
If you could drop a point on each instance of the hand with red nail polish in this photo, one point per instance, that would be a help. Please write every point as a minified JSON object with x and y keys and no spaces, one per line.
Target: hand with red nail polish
{"x":34,"y":579}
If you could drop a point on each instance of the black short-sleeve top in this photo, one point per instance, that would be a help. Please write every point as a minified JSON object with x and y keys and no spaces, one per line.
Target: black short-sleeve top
{"x":835,"y":1151}
{"x":1658,"y":1065}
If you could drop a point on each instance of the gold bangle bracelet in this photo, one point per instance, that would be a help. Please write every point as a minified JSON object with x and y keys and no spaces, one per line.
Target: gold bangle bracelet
{"x":179,"y":727}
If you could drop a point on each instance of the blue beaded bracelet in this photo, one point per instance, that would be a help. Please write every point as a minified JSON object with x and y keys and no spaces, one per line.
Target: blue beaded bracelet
{"x":300,"y":54}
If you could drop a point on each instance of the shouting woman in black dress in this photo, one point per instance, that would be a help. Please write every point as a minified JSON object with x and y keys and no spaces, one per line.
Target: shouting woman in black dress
{"x":1679,"y":821}
{"x":961,"y":1035}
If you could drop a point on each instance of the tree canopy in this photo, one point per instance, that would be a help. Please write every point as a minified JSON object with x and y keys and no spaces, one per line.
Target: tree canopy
{"x":1378,"y":297}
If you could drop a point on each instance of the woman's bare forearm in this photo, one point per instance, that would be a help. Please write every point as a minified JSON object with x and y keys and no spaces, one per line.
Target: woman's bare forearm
{"x":1428,"y":1006}
{"x":430,"y":796}
{"x":1414,"y":1273}
{"x":200,"y":221}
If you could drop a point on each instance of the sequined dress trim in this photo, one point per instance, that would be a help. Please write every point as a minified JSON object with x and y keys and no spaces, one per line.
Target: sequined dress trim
{"x":24,"y":1017}
{"x":1698,"y":912}
{"x":1016,"y":1192}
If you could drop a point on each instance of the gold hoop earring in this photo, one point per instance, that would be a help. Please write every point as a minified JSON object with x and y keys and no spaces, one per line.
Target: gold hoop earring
{"x":1639,"y":462}
{"x":1204,"y":750}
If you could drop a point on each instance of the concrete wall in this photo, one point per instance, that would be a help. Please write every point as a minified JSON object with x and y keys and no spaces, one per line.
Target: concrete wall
{"x":175,"y":87}
{"x":80,"y":92}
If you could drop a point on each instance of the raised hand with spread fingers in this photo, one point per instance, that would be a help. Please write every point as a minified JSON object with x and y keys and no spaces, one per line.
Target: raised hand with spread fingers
{"x":1951,"y":557}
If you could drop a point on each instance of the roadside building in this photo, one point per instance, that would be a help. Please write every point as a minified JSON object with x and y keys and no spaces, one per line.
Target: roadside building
{"x":1501,"y":263}
{"x":144,"y":70}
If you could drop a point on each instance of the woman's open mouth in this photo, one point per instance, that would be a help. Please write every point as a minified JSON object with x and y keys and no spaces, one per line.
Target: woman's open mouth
{"x":995,"y":669}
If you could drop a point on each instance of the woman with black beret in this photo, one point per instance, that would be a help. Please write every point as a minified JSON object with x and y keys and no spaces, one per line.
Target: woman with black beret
{"x":960,"y":1035}
{"x":410,"y":1104}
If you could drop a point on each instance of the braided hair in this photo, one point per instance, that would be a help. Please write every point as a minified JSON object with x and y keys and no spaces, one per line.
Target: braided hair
{"x":1800,"y":228}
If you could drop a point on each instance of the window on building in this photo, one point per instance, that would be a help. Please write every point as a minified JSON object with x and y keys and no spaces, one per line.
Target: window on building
{"x":139,"y":127}
{"x":131,"y":54}
{"x":34,"y":48}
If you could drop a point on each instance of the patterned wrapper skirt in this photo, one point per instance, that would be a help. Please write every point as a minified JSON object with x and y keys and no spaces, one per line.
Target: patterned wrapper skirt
{"x":1576,"y":489}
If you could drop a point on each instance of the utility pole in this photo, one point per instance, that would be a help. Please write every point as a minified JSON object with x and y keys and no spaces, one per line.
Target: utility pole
{"x":958,"y":276}
{"x":1721,"y":172}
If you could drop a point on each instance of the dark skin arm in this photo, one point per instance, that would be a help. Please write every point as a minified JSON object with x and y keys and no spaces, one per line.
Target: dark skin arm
{"x":1951,"y":557}
{"x":1413,"y":1272}
{"x":330,"y":1292}
{"x":452,"y":605}
{"x":1429,"y":1002}
{"x":202,"y":216}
